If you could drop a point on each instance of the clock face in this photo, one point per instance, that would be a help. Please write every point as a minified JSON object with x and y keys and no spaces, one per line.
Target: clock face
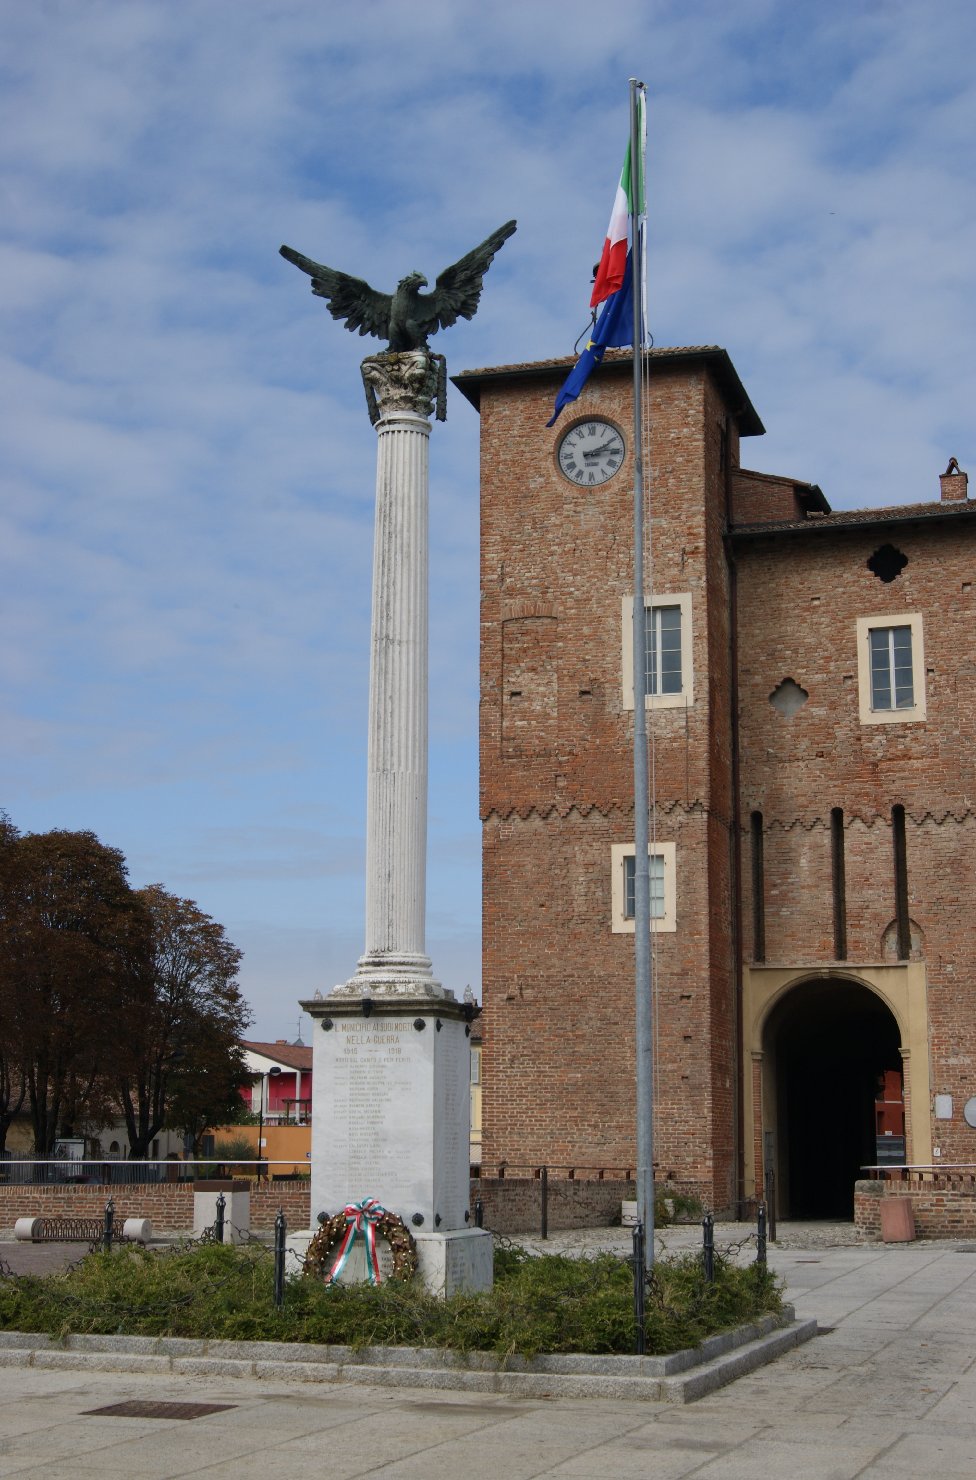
{"x":590,"y":453}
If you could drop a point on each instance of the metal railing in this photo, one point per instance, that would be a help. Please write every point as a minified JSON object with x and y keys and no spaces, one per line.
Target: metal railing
{"x":533,"y":1172}
{"x":570,"y":1171}
{"x":961,"y":1171}
{"x":28,"y":1170}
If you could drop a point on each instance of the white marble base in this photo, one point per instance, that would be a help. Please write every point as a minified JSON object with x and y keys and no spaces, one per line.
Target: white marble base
{"x":296,"y":1248}
{"x":461,"y":1260}
{"x":237,"y":1213}
{"x":385,"y":974}
{"x":446,"y":1262}
{"x":390,"y":1109}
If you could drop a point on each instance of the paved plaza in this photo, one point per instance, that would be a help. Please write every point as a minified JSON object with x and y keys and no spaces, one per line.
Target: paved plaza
{"x":887,"y":1389}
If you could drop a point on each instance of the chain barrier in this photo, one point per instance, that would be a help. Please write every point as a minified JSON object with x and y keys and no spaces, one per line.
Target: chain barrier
{"x":761,"y":1237}
{"x":708,"y":1247}
{"x":647,"y":1285}
{"x":280,"y":1229}
{"x":106,"y":1240}
{"x":640,"y":1286}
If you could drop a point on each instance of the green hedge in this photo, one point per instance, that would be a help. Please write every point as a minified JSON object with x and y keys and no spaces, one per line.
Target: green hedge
{"x":547,"y":1303}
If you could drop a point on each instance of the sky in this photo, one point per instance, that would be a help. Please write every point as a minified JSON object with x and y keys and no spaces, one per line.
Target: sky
{"x":186,"y":464}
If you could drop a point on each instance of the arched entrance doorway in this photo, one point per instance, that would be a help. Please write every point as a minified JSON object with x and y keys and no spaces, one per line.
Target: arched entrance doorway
{"x":832,"y":1050}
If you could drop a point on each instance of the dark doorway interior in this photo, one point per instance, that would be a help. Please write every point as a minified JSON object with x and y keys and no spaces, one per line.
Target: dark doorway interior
{"x":832,"y":1043}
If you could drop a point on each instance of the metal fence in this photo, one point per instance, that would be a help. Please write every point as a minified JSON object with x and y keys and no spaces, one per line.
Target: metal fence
{"x":29,"y":1170}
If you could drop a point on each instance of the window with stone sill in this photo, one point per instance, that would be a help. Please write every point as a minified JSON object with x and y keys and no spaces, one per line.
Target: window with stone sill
{"x":667,"y":627}
{"x":661,"y":858}
{"x":890,"y":669}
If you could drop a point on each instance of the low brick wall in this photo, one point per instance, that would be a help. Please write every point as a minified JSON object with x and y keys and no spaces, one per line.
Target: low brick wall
{"x":293,"y":1199}
{"x":944,"y":1205}
{"x":513,"y":1204}
{"x":168,"y":1205}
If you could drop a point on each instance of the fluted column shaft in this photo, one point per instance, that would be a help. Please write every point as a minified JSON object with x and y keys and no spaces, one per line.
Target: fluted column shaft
{"x":396,"y":798}
{"x":394,"y":960}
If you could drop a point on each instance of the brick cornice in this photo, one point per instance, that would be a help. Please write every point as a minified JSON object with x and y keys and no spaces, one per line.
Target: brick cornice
{"x":563,"y":810}
{"x":866,"y":819}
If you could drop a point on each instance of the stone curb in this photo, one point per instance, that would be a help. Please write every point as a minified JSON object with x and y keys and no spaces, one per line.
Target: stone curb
{"x":681,"y":1377}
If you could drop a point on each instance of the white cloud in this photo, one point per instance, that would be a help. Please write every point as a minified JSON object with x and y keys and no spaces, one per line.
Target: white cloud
{"x":185,"y":521}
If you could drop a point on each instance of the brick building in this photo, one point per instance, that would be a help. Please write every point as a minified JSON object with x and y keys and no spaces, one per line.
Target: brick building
{"x":811,"y":725}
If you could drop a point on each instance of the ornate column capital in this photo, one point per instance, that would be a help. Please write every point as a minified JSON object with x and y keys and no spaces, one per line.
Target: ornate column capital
{"x":409,"y":380}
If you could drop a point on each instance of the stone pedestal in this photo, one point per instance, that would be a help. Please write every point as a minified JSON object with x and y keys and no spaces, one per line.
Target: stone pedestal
{"x":390,"y":1120}
{"x":237,"y":1208}
{"x":450,"y":1262}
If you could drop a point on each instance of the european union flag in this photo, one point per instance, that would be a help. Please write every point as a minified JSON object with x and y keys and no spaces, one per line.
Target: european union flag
{"x":613,"y":329}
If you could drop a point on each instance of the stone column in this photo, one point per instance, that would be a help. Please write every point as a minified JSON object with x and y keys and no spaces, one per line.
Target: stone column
{"x":400,"y":389}
{"x":391,"y":1046}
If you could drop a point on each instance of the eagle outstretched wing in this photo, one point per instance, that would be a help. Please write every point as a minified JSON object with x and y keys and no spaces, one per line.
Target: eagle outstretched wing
{"x":349,"y":298}
{"x":458,"y":288}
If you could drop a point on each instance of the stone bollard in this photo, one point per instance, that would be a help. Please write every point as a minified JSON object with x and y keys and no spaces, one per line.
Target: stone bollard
{"x":137,"y":1230}
{"x":24,"y":1229}
{"x":237,"y":1214}
{"x":897,"y":1220}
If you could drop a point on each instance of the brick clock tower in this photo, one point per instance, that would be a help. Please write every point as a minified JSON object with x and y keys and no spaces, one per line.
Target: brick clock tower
{"x":812,"y":734}
{"x":557,"y":770}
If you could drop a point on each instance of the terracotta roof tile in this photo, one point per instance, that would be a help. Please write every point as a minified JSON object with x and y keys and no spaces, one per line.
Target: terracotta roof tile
{"x":293,"y":1055}
{"x":470,"y":382}
{"x":861,"y":518}
{"x":566,"y":361}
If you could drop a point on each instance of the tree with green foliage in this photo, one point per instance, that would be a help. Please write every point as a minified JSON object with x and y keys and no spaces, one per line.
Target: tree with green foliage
{"x":181,"y":1063}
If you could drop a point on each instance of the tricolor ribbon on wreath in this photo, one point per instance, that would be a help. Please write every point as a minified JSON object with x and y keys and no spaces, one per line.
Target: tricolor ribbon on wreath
{"x":361,"y":1218}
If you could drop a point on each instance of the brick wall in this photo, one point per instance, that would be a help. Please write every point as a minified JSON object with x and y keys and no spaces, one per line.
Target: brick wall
{"x":798,"y":607}
{"x":943,"y":1206}
{"x":556,"y":794}
{"x":758,"y":498}
{"x":511,"y":1204}
{"x":556,"y":789}
{"x":169,"y":1206}
{"x":797,"y":613}
{"x":514,"y":1205}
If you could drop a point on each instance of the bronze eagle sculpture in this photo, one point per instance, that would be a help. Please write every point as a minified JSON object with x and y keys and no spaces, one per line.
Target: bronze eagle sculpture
{"x":406,"y":316}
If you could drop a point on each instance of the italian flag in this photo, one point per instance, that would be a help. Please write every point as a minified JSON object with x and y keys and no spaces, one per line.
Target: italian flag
{"x":610,"y":273}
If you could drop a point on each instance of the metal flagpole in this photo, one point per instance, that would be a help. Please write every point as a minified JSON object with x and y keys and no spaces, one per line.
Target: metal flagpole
{"x":642,"y":889}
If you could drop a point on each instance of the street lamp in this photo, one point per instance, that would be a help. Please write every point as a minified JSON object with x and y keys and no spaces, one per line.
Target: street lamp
{"x":272,"y":1073}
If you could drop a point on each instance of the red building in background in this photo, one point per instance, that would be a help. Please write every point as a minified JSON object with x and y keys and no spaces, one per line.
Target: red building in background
{"x":281,"y":1089}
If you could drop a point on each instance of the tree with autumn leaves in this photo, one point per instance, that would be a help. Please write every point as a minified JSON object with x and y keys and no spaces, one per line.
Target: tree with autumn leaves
{"x":184,"y":1061}
{"x":113,"y":1001}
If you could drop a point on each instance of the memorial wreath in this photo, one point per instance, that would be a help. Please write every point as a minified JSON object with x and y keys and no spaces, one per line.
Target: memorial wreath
{"x":330,"y":1248}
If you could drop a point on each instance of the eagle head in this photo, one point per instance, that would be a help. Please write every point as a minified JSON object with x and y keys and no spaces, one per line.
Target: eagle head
{"x":413,"y":280}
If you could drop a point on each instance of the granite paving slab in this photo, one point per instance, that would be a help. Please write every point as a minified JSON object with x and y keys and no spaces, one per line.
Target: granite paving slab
{"x":886,"y":1392}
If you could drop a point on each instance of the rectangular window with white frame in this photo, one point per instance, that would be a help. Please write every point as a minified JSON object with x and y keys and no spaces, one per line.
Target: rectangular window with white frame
{"x":668,"y":668}
{"x":890,"y":669}
{"x":661,"y":863}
